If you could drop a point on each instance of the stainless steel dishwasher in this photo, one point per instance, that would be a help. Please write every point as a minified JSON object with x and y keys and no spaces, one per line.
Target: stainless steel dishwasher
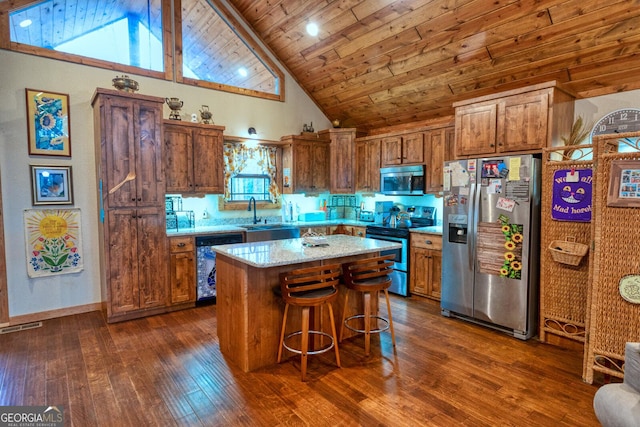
{"x":206,"y":264}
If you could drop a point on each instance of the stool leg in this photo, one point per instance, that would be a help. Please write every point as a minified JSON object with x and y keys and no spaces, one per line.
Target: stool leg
{"x":393,"y":335}
{"x":367,"y":322}
{"x":344,"y":313}
{"x":284,"y":324}
{"x":305,"y":341}
{"x":335,"y":335}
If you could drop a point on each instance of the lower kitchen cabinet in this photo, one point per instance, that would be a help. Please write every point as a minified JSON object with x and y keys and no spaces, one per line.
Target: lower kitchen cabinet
{"x":182,"y":270}
{"x":349,"y":230}
{"x":359,"y":231}
{"x":426,"y":265}
{"x":136,"y":266}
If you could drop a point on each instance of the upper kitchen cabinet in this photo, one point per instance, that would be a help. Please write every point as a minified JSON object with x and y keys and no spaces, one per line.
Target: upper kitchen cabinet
{"x":435,"y":143}
{"x":523,"y":120}
{"x":341,"y":172}
{"x":193,"y":157}
{"x":130,"y":144}
{"x":305,"y":163}
{"x":367,"y":160}
{"x":403,"y":149}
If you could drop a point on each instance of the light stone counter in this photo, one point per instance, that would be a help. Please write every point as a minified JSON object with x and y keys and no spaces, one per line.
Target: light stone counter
{"x":292,"y":251}
{"x":435,"y":229}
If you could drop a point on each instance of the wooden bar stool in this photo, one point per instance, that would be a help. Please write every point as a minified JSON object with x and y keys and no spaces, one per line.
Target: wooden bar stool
{"x":369,"y":276}
{"x":306,"y":288}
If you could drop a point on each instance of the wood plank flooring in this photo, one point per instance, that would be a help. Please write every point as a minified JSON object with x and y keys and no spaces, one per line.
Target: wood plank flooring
{"x":167,"y":370}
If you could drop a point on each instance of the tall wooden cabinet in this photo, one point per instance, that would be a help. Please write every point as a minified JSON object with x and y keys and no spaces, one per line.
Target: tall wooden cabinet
{"x":434,"y":145}
{"x":130,"y":173}
{"x":305,"y":163}
{"x":367,"y":162}
{"x":193,"y":155}
{"x":523,"y":120}
{"x":341,"y":172}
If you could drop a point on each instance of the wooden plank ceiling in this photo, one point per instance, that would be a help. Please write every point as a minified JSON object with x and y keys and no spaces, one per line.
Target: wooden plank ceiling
{"x":378,"y":63}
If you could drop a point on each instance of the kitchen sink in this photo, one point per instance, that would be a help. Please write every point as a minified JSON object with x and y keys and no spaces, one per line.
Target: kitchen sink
{"x":264,"y":232}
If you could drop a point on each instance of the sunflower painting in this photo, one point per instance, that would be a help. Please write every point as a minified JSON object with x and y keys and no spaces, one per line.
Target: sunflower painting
{"x":499,"y":248}
{"x":54,"y":242}
{"x":48,"y":123}
{"x":512,"y":264}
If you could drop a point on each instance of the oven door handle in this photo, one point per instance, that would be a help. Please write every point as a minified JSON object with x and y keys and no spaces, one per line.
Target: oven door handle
{"x":388,"y":238}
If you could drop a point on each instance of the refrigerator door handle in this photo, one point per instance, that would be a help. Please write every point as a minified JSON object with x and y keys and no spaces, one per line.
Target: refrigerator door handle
{"x":470,"y":236}
{"x":473,"y":224}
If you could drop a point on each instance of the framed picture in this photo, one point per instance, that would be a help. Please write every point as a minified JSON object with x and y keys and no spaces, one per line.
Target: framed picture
{"x":624,"y":184}
{"x":48,"y":123}
{"x":51,"y":185}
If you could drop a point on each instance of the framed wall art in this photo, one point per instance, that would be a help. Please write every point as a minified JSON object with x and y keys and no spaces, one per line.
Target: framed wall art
{"x":51,"y":185}
{"x":624,"y":184}
{"x":53,"y":241}
{"x":48,"y":123}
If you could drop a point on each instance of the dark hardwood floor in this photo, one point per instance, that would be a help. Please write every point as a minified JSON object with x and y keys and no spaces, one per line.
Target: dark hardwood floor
{"x":167,"y":370}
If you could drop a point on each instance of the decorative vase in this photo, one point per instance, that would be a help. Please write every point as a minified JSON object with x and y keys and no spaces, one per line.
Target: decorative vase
{"x":206,"y":115}
{"x":175,"y":104}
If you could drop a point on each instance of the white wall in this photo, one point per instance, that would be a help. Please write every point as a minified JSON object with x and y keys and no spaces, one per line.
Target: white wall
{"x":237,"y":113}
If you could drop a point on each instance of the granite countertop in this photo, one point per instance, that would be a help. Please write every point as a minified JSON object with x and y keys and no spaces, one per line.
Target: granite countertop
{"x":292,"y":251}
{"x":234,"y":228}
{"x":205,"y":230}
{"x":435,"y":229}
{"x":302,"y":225}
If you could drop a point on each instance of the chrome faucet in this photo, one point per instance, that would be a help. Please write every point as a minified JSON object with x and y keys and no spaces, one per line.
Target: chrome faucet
{"x":255,"y":219}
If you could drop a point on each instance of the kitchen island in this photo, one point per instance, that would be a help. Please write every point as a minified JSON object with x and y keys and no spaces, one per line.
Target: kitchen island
{"x":249,"y":314}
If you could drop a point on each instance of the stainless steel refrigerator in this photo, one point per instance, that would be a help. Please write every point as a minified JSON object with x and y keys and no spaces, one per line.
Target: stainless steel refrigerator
{"x":491,"y":240}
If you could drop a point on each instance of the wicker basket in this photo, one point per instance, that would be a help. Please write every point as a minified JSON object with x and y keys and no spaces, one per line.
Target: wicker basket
{"x":568,"y":251}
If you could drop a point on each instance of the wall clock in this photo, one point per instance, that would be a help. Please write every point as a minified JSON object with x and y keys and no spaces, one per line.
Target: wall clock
{"x":618,"y":121}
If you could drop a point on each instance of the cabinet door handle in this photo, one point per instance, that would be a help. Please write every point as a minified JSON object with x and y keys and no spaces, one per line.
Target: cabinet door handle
{"x":428,"y":242}
{"x":181,"y":245}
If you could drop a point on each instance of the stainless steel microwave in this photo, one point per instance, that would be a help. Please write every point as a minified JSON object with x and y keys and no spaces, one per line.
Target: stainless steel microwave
{"x":402,"y":180}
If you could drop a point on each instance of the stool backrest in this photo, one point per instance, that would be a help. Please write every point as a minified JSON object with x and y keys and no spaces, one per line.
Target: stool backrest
{"x":296,"y":283}
{"x":367,"y":269}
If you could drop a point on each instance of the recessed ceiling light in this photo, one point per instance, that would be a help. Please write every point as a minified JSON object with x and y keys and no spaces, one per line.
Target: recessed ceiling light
{"x":312,"y":29}
{"x":26,"y":23}
{"x":243,"y":71}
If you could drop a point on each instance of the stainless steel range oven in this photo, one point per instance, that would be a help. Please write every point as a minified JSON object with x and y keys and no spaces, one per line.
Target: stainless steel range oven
{"x":399,"y":277}
{"x":421,"y":216}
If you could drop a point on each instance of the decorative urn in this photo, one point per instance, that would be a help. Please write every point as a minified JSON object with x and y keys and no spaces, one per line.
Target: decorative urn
{"x":175,"y":105}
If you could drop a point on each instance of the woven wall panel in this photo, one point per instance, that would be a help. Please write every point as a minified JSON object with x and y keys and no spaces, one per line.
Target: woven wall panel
{"x":611,"y":320}
{"x":563,"y":287}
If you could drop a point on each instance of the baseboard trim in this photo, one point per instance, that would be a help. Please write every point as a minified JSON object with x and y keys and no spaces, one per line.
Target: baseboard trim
{"x":52,"y":314}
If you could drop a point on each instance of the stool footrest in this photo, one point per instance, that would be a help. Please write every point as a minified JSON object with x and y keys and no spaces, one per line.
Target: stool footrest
{"x":298,"y":351}
{"x":372,"y":331}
